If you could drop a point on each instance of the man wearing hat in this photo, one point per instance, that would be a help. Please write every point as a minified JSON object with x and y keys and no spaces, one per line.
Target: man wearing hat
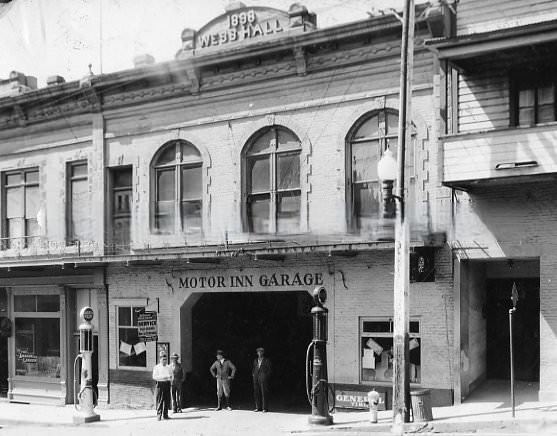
{"x":176,"y":383}
{"x":223,"y":370}
{"x":261,"y":376}
{"x":162,"y":376}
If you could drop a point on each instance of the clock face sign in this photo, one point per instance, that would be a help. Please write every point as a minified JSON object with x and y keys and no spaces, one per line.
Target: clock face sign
{"x":86,"y":314}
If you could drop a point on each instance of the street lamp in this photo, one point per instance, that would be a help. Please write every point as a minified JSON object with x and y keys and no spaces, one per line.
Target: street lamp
{"x":387,"y":173}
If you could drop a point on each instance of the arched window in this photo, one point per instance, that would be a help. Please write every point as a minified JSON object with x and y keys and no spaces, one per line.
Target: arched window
{"x":272,"y":181}
{"x":368,"y":139}
{"x":177,"y":174}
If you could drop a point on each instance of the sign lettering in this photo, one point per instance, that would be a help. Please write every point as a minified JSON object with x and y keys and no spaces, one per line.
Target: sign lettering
{"x":356,"y":400}
{"x":147,"y":326}
{"x":249,"y":280}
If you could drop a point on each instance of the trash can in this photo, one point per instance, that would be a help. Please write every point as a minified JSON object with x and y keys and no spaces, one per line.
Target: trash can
{"x":421,"y":405}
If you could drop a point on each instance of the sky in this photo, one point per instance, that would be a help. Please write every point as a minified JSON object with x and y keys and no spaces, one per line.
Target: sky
{"x":42,"y":38}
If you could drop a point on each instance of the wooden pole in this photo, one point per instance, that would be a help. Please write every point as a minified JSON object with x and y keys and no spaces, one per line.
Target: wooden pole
{"x":401,"y":382}
{"x":511,"y":313}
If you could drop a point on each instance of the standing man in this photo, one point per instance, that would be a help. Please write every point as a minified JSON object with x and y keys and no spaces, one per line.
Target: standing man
{"x":261,"y":376}
{"x":162,"y":375}
{"x":223,"y":370}
{"x":176,"y":383}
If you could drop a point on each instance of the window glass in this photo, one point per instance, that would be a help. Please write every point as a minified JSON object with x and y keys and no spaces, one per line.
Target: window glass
{"x":31,"y":201}
{"x":288,"y":212}
{"x":266,"y":143}
{"x":131,"y":350}
{"x":259,"y":174}
{"x":14,"y":203}
{"x":48,"y":303}
{"x":164,"y":216}
{"x":369,"y":129}
{"x":168,"y":156}
{"x":258,"y":213}
{"x":288,"y":171}
{"x":392,"y":124}
{"x":37,"y":347}
{"x":364,"y":161}
{"x":191,"y":182}
{"x":14,"y":179}
{"x":122,"y":178}
{"x":79,"y":170}
{"x":191,"y":216}
{"x":165,"y":185}
{"x":190,"y":153}
{"x":80,"y":211}
{"x":287,"y":141}
{"x":25,"y":303}
{"x":16,"y":231}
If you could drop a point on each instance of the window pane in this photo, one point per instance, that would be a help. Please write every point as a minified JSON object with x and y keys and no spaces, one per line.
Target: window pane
{"x":264,"y":144}
{"x":31,"y":201}
{"x":546,"y":95}
{"x":191,"y":183}
{"x":122,"y":178}
{"x":414,"y":327}
{"x":377,"y":358}
{"x":168,"y":155}
{"x":135,"y":314}
{"x":124,"y":316}
{"x":259,"y":177}
{"x":25,"y":303}
{"x":287,"y":141}
{"x":546,"y":113}
{"x":166,"y":185}
{"x":164,"y":216}
{"x":258,"y":214}
{"x":190,"y":153}
{"x":37,"y":347}
{"x":191,"y":216}
{"x":15,"y":204}
{"x":392,"y":124}
{"x":32,"y":229}
{"x":526,"y":117}
{"x":288,"y":176}
{"x":377,"y":326}
{"x":79,"y":170}
{"x":526,"y":98}
{"x":122,"y":202}
{"x":364,"y":161}
{"x":16,"y":229}
{"x":288,"y":212}
{"x":80,"y":210}
{"x":369,"y":129}
{"x":128,"y":338}
{"x":48,"y":303}
{"x":366,"y":201}
{"x":32,"y":177}
{"x":14,"y":179}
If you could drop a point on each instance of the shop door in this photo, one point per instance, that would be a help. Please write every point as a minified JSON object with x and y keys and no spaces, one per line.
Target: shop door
{"x":526,"y":329}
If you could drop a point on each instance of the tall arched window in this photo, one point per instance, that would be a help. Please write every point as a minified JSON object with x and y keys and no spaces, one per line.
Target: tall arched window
{"x":368,"y":139}
{"x":177,"y":172}
{"x":272,"y":181}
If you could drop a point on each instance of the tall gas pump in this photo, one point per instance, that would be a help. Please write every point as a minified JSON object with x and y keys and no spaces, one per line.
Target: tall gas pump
{"x":319,"y":390}
{"x":86,"y":395}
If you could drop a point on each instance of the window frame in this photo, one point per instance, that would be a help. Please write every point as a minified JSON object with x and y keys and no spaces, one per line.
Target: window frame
{"x":6,"y":238}
{"x":129,"y":305}
{"x":531,"y":79}
{"x":71,"y":238}
{"x":273,"y":192}
{"x":177,"y":166}
{"x":361,"y":335}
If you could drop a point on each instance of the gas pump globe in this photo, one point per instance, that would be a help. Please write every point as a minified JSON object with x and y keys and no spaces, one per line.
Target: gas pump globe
{"x":84,"y":401}
{"x":319,"y":391}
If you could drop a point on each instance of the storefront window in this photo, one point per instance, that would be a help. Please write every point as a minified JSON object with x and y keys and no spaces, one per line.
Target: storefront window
{"x":37,"y":347}
{"x":376,"y":350}
{"x":132,"y":351}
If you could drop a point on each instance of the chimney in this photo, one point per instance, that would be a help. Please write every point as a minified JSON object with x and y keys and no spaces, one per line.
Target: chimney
{"x":143,"y":60}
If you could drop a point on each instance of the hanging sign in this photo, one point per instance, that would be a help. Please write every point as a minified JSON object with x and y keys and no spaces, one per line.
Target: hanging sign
{"x":147,"y":326}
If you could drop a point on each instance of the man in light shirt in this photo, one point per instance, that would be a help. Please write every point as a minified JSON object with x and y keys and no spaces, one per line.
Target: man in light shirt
{"x":162,"y":375}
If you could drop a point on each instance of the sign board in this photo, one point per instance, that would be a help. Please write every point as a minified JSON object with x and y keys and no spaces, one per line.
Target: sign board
{"x":147,"y":326}
{"x":26,"y":356}
{"x":356,"y":400}
{"x":87,"y":314}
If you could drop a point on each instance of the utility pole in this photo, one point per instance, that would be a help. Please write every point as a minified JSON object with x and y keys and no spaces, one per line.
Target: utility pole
{"x":401,"y":381}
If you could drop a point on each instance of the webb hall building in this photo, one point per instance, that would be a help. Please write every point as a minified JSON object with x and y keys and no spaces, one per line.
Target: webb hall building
{"x":194,"y":204}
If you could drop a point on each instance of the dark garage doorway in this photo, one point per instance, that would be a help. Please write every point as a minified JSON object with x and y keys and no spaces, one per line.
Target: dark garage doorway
{"x":238,"y":322}
{"x":526,"y":329}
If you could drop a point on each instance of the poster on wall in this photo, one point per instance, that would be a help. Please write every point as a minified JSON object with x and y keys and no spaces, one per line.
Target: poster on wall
{"x":147,"y":326}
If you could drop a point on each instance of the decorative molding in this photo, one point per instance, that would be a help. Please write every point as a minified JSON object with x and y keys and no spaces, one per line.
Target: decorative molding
{"x":19,"y":116}
{"x":147,"y":94}
{"x":250,"y":74}
{"x":301,"y":62}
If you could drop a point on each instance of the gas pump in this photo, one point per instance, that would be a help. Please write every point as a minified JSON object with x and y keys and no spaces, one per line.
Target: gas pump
{"x":317,"y":375}
{"x":86,"y":395}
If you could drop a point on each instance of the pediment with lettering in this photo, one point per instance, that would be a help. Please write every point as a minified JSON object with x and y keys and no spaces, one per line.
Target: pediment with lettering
{"x":245,"y":25}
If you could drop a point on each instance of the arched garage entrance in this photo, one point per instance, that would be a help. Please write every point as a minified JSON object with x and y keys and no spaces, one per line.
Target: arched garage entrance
{"x":238,"y":322}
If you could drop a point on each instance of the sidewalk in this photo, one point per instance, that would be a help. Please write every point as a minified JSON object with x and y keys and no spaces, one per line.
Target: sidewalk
{"x":531,"y":418}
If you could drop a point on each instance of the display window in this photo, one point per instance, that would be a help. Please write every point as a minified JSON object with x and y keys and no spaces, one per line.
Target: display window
{"x":37,"y":336}
{"x":376,"y":350}
{"x":132,"y":351}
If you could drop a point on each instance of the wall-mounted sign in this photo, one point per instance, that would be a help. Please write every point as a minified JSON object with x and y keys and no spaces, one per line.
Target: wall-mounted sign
{"x":356,"y":400}
{"x":147,"y":326}
{"x":286,"y":279}
{"x":422,"y":264}
{"x":242,"y":25}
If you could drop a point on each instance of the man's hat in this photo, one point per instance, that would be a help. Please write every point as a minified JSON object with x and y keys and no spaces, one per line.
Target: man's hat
{"x":260,"y":349}
{"x":162,"y":354}
{"x":174,"y":356}
{"x":220,"y":352}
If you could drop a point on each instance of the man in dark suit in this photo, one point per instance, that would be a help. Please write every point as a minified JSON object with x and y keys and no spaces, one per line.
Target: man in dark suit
{"x":223,"y":370}
{"x":261,"y":377}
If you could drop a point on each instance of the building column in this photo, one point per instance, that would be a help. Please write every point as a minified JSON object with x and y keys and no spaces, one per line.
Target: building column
{"x":102,"y":304}
{"x":548,"y":327}
{"x":98,"y":184}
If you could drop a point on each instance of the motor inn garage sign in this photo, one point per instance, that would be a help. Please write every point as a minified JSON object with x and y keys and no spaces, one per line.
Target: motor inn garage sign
{"x":299,"y":280}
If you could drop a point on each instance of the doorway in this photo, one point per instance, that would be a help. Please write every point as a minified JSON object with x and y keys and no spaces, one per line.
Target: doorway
{"x":238,"y":323}
{"x":526,"y":329}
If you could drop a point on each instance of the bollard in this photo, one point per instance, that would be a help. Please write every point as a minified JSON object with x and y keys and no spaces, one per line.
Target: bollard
{"x":373,"y":400}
